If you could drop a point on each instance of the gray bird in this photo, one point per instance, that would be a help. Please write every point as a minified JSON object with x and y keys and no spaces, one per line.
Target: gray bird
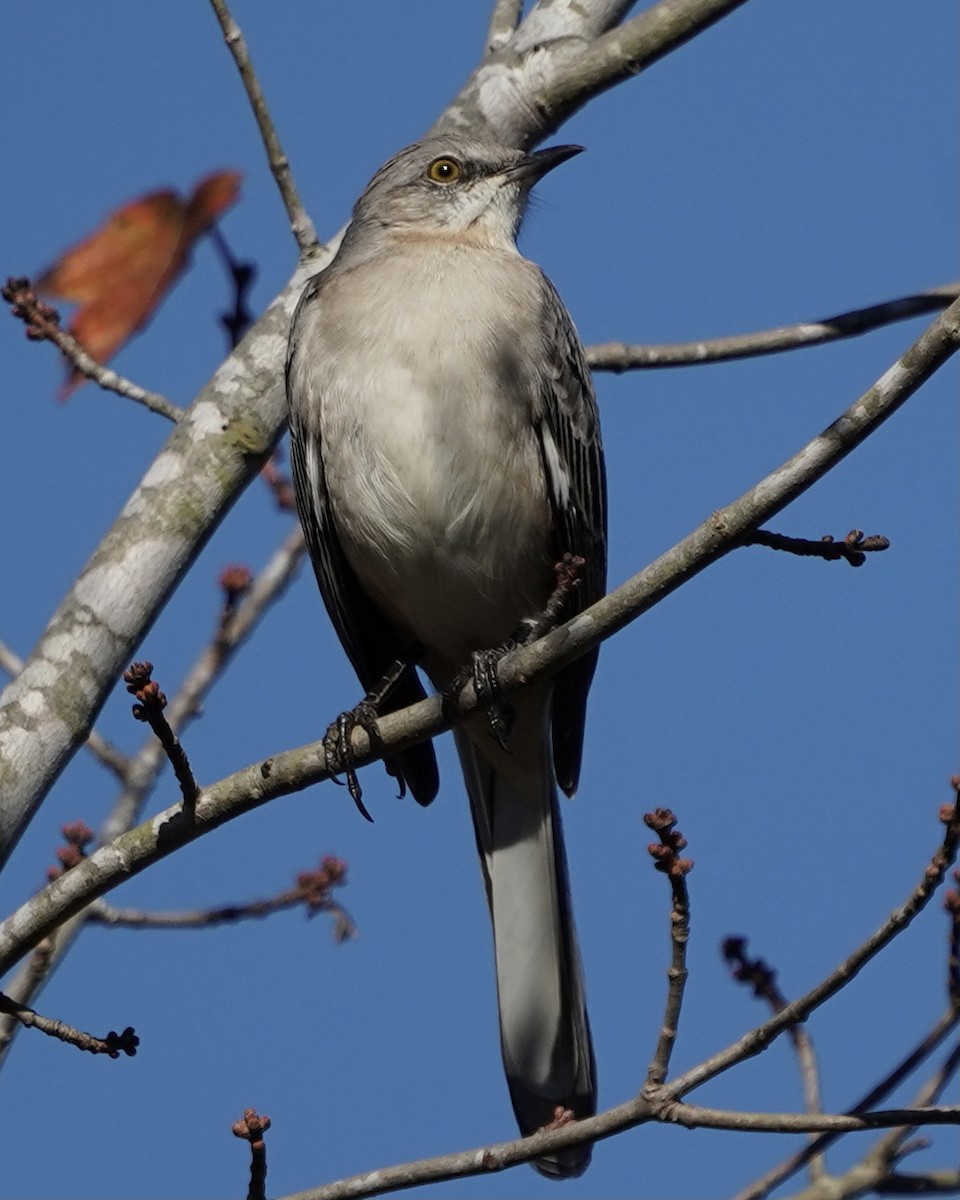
{"x":446,"y":455}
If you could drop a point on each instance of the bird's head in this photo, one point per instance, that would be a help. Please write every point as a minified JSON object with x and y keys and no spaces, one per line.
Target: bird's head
{"x":456,"y":187}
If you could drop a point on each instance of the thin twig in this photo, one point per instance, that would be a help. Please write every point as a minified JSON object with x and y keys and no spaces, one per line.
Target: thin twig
{"x":113,"y":1045}
{"x":25,"y":984}
{"x":279,"y":483}
{"x":102,"y":750}
{"x":10,"y":661}
{"x":149,"y":708}
{"x":853,"y":549}
{"x":762,"y":978}
{"x":43,"y":324}
{"x":945,"y":1182}
{"x":312,"y":891}
{"x":908,"y":1064}
{"x":242,"y":275}
{"x":798,"y":1010}
{"x":231,"y":632}
{"x":300,"y":223}
{"x":251,"y":1128}
{"x":567,"y":573}
{"x":619,"y":356}
{"x":101,"y":913}
{"x":875,"y":1172}
{"x":952,"y":905}
{"x":694,"y":1116}
{"x":666,"y":855}
{"x":889,"y":1148}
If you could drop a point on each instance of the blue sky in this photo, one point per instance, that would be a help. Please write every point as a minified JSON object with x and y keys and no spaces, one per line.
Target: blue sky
{"x":795,"y":161}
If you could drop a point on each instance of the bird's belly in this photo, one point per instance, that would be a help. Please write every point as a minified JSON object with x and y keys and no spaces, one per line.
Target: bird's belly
{"x":443,"y":513}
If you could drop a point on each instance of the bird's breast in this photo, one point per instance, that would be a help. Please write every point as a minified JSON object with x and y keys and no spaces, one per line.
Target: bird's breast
{"x":433,"y":467}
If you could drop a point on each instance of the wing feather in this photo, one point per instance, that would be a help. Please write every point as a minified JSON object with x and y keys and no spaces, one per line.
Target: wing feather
{"x":372,"y":644}
{"x":568,"y":428}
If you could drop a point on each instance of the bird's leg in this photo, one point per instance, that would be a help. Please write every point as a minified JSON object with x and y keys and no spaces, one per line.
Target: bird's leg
{"x":568,"y":572}
{"x":337,"y":744}
{"x":483,"y":663}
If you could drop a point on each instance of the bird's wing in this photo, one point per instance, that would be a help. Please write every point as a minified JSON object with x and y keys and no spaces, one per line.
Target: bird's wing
{"x":371,"y":643}
{"x":568,"y":429}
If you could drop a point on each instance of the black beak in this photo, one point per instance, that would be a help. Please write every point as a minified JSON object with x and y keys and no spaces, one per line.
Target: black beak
{"x":534,"y":166}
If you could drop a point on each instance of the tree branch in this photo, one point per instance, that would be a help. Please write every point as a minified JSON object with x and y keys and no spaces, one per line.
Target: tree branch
{"x":563,"y":55}
{"x":663,"y":1102}
{"x":764,"y":1186}
{"x":218,"y":447}
{"x":798,"y":1010}
{"x":876,"y":1171}
{"x":930,"y":1183}
{"x":762,"y":978}
{"x":312,"y":891}
{"x":232,"y":631}
{"x":561,"y":20}
{"x":300,"y":222}
{"x":43,"y":324}
{"x":889,"y":1149}
{"x":112,"y":1045}
{"x":619,"y":356}
{"x":143,"y":769}
{"x":483,"y":1160}
{"x":504,"y":19}
{"x":102,"y":750}
{"x":149,"y":708}
{"x":251,"y":1128}
{"x":666,"y":856}
{"x":625,"y":51}
{"x":853,"y":549}
{"x":294,"y":770}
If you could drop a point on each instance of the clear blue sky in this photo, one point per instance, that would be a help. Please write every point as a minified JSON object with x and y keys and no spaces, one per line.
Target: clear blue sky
{"x":795,"y":161}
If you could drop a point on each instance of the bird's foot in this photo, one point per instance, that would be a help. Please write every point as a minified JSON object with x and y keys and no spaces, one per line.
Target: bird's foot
{"x":499,"y":713}
{"x":482,"y":673}
{"x":338,"y":747}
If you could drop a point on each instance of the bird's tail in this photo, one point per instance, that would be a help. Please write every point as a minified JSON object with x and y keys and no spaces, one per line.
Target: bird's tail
{"x":544,"y":1030}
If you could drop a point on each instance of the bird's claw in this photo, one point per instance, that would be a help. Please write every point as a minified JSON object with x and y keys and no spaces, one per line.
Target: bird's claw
{"x":338,"y":748}
{"x":487,"y":686}
{"x":482,"y":672}
{"x":483,"y":663}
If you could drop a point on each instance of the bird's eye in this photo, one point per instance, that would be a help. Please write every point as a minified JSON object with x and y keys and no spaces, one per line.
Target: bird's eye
{"x":444,"y":170}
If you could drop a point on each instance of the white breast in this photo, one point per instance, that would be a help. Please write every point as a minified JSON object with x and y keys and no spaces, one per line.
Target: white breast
{"x":432,"y":465}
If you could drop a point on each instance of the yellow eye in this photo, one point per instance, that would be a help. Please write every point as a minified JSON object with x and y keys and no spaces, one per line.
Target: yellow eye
{"x":444,"y":170}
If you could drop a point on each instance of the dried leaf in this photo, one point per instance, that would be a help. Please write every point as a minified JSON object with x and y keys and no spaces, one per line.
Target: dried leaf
{"x":124,"y":269}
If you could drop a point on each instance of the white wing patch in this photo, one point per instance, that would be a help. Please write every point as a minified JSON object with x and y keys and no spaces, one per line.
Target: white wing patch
{"x":559,"y":480}
{"x":312,"y":471}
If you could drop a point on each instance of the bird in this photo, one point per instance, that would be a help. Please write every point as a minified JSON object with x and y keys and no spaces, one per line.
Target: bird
{"x":446,"y":456}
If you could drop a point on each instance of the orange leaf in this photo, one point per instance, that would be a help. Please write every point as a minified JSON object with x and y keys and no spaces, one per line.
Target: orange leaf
{"x":213,"y":195}
{"x":124,"y":269}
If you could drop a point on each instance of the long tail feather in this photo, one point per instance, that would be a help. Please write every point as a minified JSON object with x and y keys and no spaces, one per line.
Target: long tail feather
{"x":544,"y":1029}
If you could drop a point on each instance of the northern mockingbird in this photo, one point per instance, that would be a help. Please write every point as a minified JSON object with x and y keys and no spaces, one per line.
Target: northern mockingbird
{"x":446,"y":454}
